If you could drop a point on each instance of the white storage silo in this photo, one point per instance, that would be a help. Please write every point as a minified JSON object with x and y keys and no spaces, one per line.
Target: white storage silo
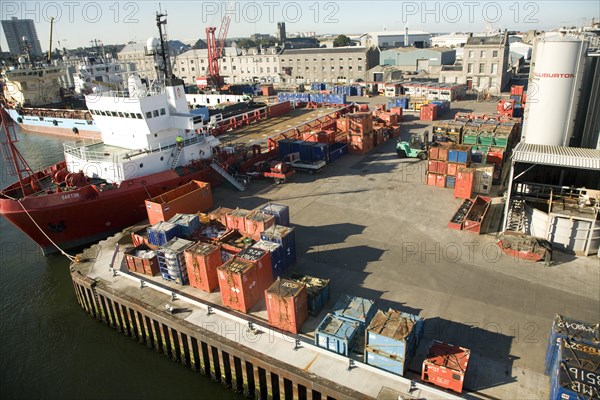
{"x":553,"y":90}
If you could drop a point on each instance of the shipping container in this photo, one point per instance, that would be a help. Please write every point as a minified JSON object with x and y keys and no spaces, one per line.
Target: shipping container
{"x":574,"y":331}
{"x":384,"y":361}
{"x":171,"y":260}
{"x":257,"y":222}
{"x":576,"y":372}
{"x":202,"y":261}
{"x":432,"y":166}
{"x":336,"y":334}
{"x":458,"y":219}
{"x":286,"y":236}
{"x":476,"y":214}
{"x":450,"y":181}
{"x":463,"y":188}
{"x":306,"y":151}
{"x":320,"y":152}
{"x":140,"y":237}
{"x":446,"y":366}
{"x":236,"y":219}
{"x":434,"y":152}
{"x":336,"y":151}
{"x":143,"y":260}
{"x":160,"y":233}
{"x":276,"y":251}
{"x":431,"y":179}
{"x":279,"y":211}
{"x":285,"y":147}
{"x":287,"y":307}
{"x":220,"y":215}
{"x":440,"y":180}
{"x":394,"y":334}
{"x":355,"y":309}
{"x":262,"y":260}
{"x":318,"y":292}
{"x":442,"y":167}
{"x":188,"y":224}
{"x":460,"y":154}
{"x":238,"y":283}
{"x":482,"y":178}
{"x":192,"y":197}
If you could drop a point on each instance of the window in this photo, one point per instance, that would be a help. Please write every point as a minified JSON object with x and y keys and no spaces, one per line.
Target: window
{"x":155,"y":113}
{"x":234,"y":67}
{"x":482,"y":68}
{"x":191,"y":61}
{"x":360,"y":67}
{"x":494,"y":53}
{"x":261,"y":70}
{"x":268,"y":70}
{"x":469,"y":68}
{"x":202,"y":61}
{"x":182,"y":69}
{"x":494,"y":68}
{"x":443,"y":79}
{"x":149,"y":114}
{"x":359,"y":59}
{"x":482,"y":54}
{"x":471,"y":54}
{"x":113,"y":113}
{"x":121,"y":114}
{"x":193,"y":69}
{"x":162,"y":111}
{"x":268,"y":59}
{"x":224,"y":67}
{"x":350,"y":68}
{"x":275,"y":69}
{"x":139,"y":116}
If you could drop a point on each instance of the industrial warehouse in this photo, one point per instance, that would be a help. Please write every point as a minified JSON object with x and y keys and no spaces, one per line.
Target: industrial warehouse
{"x":386,"y":219}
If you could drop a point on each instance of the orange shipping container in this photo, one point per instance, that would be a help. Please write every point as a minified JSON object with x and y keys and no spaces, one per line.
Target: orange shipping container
{"x":193,"y":197}
{"x":262,"y":260}
{"x":287,"y":305}
{"x":239,"y":285}
{"x":463,"y":188}
{"x":434,"y":153}
{"x":431,"y":179}
{"x":257,"y":223}
{"x":432,"y":166}
{"x":443,"y":153}
{"x":202,"y":261}
{"x":142,"y":263}
{"x":442,"y":166}
{"x":453,"y":168}
{"x":220,"y":215}
{"x":236,"y":219}
{"x":440,"y":180}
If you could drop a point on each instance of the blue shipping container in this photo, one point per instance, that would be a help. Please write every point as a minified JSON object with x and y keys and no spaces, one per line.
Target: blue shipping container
{"x":394,"y":333}
{"x":279,"y":211}
{"x":276,"y":252}
{"x":573,"y":381}
{"x":450,"y":182}
{"x":286,"y":236}
{"x":459,"y":156}
{"x":306,"y":151}
{"x":355,"y":309}
{"x":160,"y":233}
{"x":336,"y":334}
{"x":320,"y":152}
{"x":337,"y":150}
{"x":572,"y":330}
{"x":285,"y":147}
{"x":295,"y":146}
{"x":317,"y":291}
{"x":188,"y":224}
{"x":393,"y":365}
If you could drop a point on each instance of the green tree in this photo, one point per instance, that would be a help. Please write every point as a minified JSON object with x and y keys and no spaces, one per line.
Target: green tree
{"x":342,"y":40}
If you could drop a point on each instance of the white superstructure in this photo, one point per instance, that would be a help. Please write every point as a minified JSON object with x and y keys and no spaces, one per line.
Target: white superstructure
{"x":553,"y":91}
{"x":98,"y":75}
{"x":139,"y":132}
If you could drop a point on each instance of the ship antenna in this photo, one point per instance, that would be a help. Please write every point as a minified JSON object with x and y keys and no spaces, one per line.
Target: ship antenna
{"x":161,"y":19}
{"x":13,"y":159}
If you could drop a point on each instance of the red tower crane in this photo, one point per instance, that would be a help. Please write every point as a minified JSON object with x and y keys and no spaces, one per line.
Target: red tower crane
{"x":215,"y":52}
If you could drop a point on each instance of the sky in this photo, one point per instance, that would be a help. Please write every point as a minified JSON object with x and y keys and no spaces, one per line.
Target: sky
{"x":78,"y":22}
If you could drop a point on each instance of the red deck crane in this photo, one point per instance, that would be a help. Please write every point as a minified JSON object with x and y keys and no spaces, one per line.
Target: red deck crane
{"x":215,"y":52}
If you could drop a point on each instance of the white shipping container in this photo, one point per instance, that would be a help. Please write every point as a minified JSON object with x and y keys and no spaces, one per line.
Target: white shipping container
{"x":482,"y":179}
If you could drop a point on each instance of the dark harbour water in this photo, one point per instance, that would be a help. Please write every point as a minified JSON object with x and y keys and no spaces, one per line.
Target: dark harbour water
{"x":51,"y":349}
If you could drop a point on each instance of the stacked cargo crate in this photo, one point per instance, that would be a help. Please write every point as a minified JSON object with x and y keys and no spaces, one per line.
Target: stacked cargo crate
{"x":171,"y":260}
{"x":142,"y":259}
{"x":238,"y":282}
{"x":318,"y":292}
{"x":287,"y":305}
{"x":202,"y":261}
{"x":437,"y":166}
{"x":392,"y":339}
{"x":360,"y":132}
{"x":336,"y":334}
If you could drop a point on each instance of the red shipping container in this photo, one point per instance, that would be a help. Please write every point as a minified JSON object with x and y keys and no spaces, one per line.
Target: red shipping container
{"x":397,"y":111}
{"x":434,"y":153}
{"x":431,"y":179}
{"x":142,"y":265}
{"x":268,"y":90}
{"x":443,"y":153}
{"x":446,"y":366}
{"x":239,"y":285}
{"x":452,"y":169}
{"x":287,"y":305}
{"x":442,"y":166}
{"x":236,"y":219}
{"x":440,"y":181}
{"x":220,"y":215}
{"x":193,"y":197}
{"x":342,"y":124}
{"x":463,"y":188}
{"x":262,"y":260}
{"x":202,"y":261}
{"x":517,"y":90}
{"x":257,"y":223}
{"x":432,"y":166}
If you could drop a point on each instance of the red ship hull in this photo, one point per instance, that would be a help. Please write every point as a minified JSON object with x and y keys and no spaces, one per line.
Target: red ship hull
{"x":87,"y":214}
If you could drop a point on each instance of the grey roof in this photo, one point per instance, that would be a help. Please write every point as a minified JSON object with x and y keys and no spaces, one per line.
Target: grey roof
{"x":559,"y":156}
{"x":486,"y":40}
{"x":327,"y":50}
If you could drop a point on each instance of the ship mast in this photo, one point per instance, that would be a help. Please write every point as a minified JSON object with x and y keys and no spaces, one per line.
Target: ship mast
{"x":14,"y":161}
{"x":165,"y":67}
